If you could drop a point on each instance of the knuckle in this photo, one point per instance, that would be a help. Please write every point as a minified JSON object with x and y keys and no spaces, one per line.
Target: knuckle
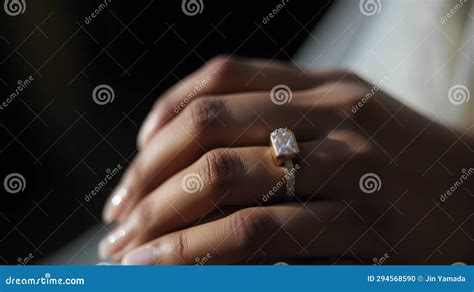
{"x":179,"y":247}
{"x":203,"y":113}
{"x":251,"y":227}
{"x":222,"y":66}
{"x":221,"y":165}
{"x":143,"y":214}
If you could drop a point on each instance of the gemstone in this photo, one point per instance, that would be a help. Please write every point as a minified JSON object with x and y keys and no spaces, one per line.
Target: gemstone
{"x":284,"y":143}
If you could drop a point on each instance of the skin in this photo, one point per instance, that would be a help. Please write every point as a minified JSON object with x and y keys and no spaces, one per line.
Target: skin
{"x":222,"y":135}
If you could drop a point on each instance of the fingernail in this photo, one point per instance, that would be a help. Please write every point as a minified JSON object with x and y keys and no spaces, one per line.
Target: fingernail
{"x":115,"y":240}
{"x":147,"y":128}
{"x":148,"y":255}
{"x":113,"y":206}
{"x":142,"y":256}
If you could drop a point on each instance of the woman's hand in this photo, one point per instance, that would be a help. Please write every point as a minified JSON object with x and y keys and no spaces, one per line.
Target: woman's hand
{"x":204,"y":186}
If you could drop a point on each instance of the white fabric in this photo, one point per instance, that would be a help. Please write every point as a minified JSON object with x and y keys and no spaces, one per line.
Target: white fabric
{"x":407,"y":44}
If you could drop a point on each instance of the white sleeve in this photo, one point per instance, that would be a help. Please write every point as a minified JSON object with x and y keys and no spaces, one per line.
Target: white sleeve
{"x":421,"y":48}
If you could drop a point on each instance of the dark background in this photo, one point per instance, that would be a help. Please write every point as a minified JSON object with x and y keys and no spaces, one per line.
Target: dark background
{"x":63,"y":143}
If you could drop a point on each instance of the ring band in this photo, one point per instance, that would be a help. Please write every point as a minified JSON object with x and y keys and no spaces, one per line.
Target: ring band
{"x":285,"y":149}
{"x":290,"y":180}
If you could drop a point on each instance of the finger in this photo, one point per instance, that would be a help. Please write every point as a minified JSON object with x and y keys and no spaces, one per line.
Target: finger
{"x":223,"y":75}
{"x":115,"y":245}
{"x":237,"y":177}
{"x":206,"y":124}
{"x":320,"y":229}
{"x":221,"y":178}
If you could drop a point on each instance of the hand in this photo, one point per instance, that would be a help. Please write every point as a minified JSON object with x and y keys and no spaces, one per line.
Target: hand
{"x":213,"y":130}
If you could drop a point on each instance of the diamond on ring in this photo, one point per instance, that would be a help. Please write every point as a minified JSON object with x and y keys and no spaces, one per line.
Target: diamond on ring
{"x":285,"y":149}
{"x":284,"y":145}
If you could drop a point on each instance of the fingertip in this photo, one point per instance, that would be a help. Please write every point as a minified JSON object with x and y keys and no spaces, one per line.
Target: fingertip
{"x":114,"y":242}
{"x":113,"y":206}
{"x":141,"y":256}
